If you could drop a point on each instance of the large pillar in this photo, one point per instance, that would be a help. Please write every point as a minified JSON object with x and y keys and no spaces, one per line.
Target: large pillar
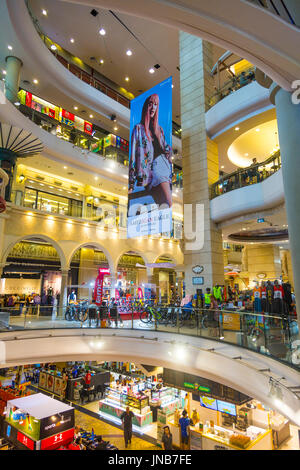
{"x":199,"y":159}
{"x":288,"y":119}
{"x":12,"y":79}
{"x":63,"y":291}
{"x":263,"y":259}
{"x":88,"y":271}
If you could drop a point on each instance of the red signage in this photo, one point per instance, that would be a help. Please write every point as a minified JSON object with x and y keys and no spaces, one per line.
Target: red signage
{"x":57,"y":440}
{"x":28,"y":99}
{"x":25,"y":440}
{"x":67,"y":115}
{"x":98,"y":289}
{"x":88,"y":127}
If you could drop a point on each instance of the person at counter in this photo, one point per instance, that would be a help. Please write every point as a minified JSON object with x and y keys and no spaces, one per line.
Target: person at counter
{"x":184,"y":423}
{"x":167,"y":439}
{"x":126,"y":418}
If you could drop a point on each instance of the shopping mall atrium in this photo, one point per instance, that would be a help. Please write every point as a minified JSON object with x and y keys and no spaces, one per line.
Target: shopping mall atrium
{"x":149,"y":225}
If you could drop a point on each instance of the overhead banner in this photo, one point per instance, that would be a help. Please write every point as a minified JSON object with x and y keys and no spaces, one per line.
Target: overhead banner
{"x":150,"y":167}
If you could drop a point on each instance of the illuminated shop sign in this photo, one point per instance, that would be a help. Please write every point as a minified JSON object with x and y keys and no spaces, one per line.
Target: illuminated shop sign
{"x":197,"y":387}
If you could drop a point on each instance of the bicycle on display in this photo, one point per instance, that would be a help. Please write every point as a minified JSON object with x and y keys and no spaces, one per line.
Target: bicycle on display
{"x":77,"y":312}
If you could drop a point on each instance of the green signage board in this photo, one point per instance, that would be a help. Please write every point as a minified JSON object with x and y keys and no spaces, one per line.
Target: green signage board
{"x":197,"y":387}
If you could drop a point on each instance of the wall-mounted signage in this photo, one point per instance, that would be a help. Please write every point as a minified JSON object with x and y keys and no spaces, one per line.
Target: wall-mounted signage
{"x":225,"y":407}
{"x":198,"y":281}
{"x":198,"y":269}
{"x":209,"y":402}
{"x":197,"y":387}
{"x":261,"y":275}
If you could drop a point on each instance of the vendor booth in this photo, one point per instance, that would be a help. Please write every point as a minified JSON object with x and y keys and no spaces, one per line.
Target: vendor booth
{"x":38,"y":422}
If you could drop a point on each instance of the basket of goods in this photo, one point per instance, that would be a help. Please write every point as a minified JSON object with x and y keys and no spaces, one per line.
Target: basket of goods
{"x":239,"y":440}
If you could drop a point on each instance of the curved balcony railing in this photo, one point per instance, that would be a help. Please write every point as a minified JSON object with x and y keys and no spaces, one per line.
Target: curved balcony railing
{"x":78,"y":139}
{"x":236,"y":83}
{"x":84,"y":141}
{"x":253,"y":174}
{"x":269,"y":335}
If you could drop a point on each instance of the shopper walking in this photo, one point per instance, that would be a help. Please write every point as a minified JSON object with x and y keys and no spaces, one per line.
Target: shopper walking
{"x":126,"y":418}
{"x":167,"y":439}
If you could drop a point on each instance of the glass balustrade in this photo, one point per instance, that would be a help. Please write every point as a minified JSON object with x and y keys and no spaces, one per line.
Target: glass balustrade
{"x":234,"y":84}
{"x":253,"y":174}
{"x":270,"y":335}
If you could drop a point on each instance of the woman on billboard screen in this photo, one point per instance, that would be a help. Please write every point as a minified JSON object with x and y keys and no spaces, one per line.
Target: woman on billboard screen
{"x":150,"y":160}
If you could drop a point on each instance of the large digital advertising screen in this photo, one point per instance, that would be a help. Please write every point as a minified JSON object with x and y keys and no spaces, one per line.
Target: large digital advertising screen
{"x":150,"y":163}
{"x":208,"y":402}
{"x":225,"y":407}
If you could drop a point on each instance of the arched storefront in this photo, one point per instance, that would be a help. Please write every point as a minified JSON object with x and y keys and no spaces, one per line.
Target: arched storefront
{"x":84,"y":267}
{"x":32,"y":270}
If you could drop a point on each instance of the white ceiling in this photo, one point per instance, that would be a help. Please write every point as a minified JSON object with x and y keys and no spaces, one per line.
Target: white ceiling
{"x":154,"y":43}
{"x":259,"y":142}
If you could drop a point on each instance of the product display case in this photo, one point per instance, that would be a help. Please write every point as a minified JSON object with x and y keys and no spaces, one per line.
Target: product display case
{"x":116,"y":401}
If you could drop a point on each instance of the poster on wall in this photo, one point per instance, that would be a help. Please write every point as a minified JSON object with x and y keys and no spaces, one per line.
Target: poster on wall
{"x":150,"y":167}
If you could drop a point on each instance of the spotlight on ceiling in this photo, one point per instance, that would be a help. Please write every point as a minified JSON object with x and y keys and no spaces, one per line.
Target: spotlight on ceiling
{"x":44,"y":12}
{"x":101,"y":61}
{"x":102,"y":31}
{"x":53,"y":47}
{"x":151,"y":70}
{"x":129,"y":52}
{"x":94,"y":12}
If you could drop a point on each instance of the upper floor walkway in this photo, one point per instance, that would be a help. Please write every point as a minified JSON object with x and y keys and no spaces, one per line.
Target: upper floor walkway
{"x":255,"y":355}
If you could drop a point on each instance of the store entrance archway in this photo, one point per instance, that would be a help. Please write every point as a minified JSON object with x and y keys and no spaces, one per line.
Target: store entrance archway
{"x":164,"y":277}
{"x":84,"y":267}
{"x":32,"y":275}
{"x":131,"y":277}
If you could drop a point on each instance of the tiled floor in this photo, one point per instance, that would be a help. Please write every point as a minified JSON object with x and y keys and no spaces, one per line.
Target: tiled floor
{"x":111,"y":433}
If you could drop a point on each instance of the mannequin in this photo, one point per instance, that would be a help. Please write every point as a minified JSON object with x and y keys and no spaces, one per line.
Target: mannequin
{"x":217,"y":292}
{"x":263,"y":297}
{"x":278,"y":298}
{"x":257,"y":298}
{"x":270,"y":296}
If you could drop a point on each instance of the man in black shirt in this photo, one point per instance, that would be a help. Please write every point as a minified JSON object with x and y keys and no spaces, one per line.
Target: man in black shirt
{"x":126,"y":418}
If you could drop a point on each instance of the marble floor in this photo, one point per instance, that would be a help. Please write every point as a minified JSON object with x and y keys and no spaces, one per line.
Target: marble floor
{"x":111,"y":433}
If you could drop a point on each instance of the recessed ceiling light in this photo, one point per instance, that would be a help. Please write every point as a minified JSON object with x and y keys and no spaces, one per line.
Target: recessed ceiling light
{"x":102,"y":31}
{"x":115,"y":128}
{"x":127,"y":79}
{"x":129,"y":52}
{"x":151,"y":70}
{"x":101,"y":61}
{"x":17,"y":103}
{"x":72,"y":40}
{"x":237,"y":129}
{"x":91,"y":116}
{"x":35,"y":81}
{"x":172,"y":85}
{"x":75,"y":107}
{"x":124,"y":187}
{"x":222,"y":167}
{"x":246,"y":154}
{"x":4,"y":72}
{"x":257,"y":130}
{"x":44,"y":12}
{"x":65,"y":167}
{"x":9,"y":47}
{"x":53,"y":47}
{"x":96,"y":177}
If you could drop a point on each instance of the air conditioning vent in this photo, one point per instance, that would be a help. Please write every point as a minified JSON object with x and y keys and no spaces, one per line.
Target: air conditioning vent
{"x":74,"y":188}
{"x":58,"y":183}
{"x":40,"y":178}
